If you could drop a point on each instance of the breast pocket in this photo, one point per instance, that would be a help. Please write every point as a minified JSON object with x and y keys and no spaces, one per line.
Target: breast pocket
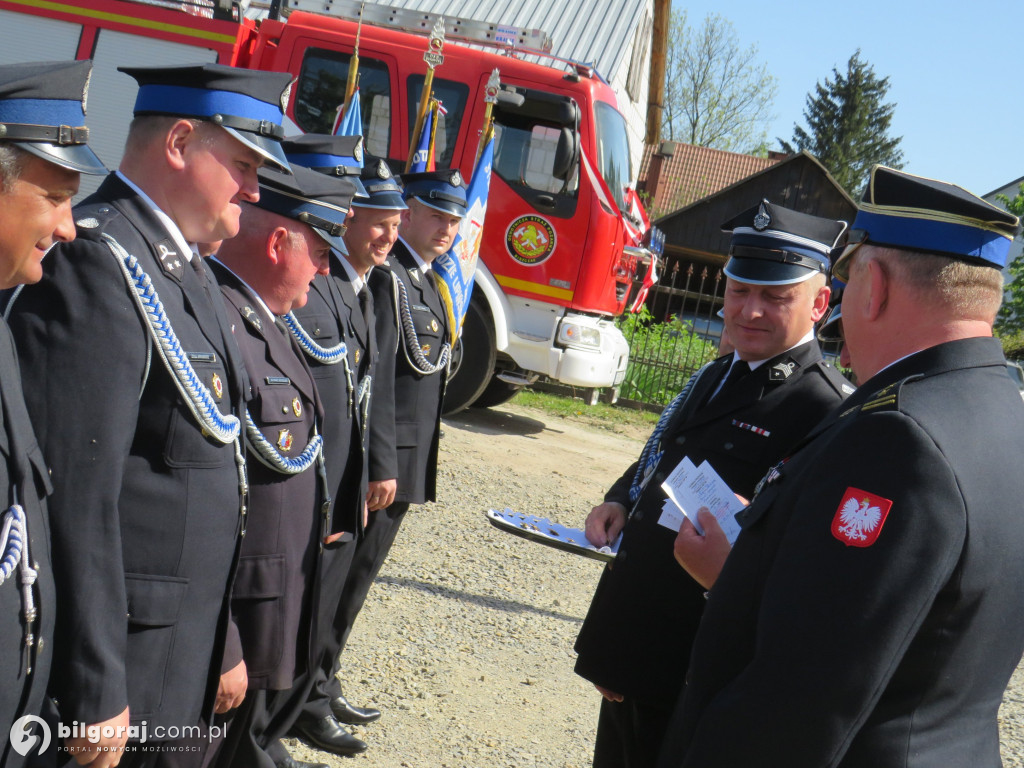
{"x":188,"y":444}
{"x":279,"y":411}
{"x":429,"y":331}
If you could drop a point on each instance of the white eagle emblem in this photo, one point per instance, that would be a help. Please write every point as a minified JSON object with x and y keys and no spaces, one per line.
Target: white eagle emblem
{"x":858,"y":519}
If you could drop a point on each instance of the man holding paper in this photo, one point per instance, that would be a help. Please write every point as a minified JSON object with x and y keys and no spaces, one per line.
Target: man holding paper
{"x":737,"y":417}
{"x":869,"y":615}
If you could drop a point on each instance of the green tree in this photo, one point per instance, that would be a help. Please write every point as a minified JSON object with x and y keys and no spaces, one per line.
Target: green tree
{"x":717,"y":94}
{"x":848,"y":124}
{"x":1010,"y":322}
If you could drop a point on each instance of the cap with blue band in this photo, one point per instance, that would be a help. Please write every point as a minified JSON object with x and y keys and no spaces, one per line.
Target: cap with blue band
{"x":915,"y":213}
{"x":328,"y":154}
{"x":441,"y":190}
{"x":42,"y":111}
{"x":249,"y":104}
{"x":383,"y":192}
{"x":312,"y":198}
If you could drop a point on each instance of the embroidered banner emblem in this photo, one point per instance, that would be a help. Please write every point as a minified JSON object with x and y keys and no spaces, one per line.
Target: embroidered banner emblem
{"x":860,"y":517}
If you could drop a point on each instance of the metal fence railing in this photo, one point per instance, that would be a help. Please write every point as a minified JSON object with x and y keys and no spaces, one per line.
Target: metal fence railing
{"x":676,"y":333}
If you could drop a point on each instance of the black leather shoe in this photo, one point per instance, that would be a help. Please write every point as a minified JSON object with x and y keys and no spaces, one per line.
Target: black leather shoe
{"x":353,"y":715}
{"x":291,"y":762}
{"x":328,"y":734}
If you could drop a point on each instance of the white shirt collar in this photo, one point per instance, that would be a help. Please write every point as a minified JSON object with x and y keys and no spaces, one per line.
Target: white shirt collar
{"x":419,"y":260}
{"x":187,"y":248}
{"x":357,"y":281}
{"x":252,"y":291}
{"x":755,"y":364}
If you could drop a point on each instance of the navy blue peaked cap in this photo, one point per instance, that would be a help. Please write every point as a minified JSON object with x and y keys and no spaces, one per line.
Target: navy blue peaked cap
{"x":42,"y":111}
{"x":313,"y":198}
{"x":381,"y":187}
{"x":775,"y":245}
{"x":248,"y":103}
{"x":441,"y":190}
{"x":324,"y":153}
{"x":915,"y":213}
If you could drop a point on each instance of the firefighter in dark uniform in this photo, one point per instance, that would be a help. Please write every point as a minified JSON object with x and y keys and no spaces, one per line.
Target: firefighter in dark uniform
{"x":413,"y":334}
{"x":264,"y":273}
{"x":341,"y":307}
{"x":137,"y":390}
{"x":741,"y":414}
{"x":39,"y":174}
{"x":869,"y":613}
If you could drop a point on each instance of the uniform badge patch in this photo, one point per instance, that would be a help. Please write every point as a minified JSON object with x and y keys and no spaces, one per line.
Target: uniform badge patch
{"x":297,"y":407}
{"x":434,"y":326}
{"x":170,"y":259}
{"x":284,"y":440}
{"x":357,"y":356}
{"x":860,"y":517}
{"x":425,"y":349}
{"x":253,"y":317}
{"x":218,"y":386}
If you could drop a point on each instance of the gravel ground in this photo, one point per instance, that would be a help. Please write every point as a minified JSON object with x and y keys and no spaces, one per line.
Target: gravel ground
{"x":465,"y":642}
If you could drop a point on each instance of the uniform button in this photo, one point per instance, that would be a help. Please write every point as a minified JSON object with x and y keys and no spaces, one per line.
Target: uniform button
{"x":638,"y":515}
{"x":284,"y":409}
{"x":659,"y":477}
{"x":681,"y":439}
{"x":728,"y":446}
{"x":316,"y":332}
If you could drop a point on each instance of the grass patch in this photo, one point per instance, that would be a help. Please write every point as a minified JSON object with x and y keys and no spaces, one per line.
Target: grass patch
{"x":599,"y":415}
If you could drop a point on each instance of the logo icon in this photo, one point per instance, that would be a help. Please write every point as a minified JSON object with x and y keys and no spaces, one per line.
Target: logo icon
{"x":860,"y":517}
{"x":530,"y":240}
{"x":24,"y":737}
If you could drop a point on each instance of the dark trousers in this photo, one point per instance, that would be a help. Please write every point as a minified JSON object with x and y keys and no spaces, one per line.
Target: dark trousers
{"x":366,"y":563}
{"x":629,"y":734}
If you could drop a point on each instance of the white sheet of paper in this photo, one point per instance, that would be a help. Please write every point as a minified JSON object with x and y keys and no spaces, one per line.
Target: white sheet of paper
{"x":689,"y":488}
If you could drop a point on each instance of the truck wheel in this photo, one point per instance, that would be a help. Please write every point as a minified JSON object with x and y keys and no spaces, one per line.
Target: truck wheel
{"x":472,"y":360}
{"x":495,"y":393}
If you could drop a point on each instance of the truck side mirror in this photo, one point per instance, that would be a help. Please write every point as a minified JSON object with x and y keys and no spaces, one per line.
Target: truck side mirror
{"x":566,"y":154}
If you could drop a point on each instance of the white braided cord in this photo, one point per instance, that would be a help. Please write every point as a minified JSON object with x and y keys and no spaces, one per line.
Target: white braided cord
{"x":413,"y":351}
{"x":326,"y":355}
{"x":271,"y":457}
{"x":197,"y":398}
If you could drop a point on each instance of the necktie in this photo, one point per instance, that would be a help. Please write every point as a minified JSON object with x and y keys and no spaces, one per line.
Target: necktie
{"x":364,"y":306}
{"x":739,"y":369}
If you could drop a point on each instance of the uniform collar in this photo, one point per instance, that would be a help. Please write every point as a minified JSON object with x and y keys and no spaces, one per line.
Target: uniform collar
{"x":249,"y":289}
{"x":755,"y":364}
{"x":186,"y":247}
{"x":423,"y":266}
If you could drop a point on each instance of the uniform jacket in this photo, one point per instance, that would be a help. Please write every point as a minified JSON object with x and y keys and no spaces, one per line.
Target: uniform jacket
{"x":406,"y":444}
{"x":888,"y":642}
{"x":273,"y":590}
{"x":333,"y":314}
{"x":145,"y":508}
{"x":23,"y":474}
{"x":637,"y":634}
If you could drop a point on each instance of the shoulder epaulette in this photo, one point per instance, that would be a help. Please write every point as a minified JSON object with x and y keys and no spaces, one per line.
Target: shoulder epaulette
{"x":835,"y":379}
{"x":885,"y":399}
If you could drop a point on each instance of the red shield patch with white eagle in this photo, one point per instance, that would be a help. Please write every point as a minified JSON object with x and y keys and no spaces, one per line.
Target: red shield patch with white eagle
{"x":860,"y":518}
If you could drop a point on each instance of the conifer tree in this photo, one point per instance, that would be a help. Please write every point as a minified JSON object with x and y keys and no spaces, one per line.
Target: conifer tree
{"x":848,"y":125}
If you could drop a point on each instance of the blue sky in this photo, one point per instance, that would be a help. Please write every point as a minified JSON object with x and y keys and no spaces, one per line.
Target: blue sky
{"x":954,"y":71}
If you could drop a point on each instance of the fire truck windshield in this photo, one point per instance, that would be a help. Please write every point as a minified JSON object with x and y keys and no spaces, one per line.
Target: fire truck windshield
{"x":613,"y":157}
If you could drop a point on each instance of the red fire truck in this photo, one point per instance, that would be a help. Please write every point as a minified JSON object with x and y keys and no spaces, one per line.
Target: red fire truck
{"x":557,"y":262}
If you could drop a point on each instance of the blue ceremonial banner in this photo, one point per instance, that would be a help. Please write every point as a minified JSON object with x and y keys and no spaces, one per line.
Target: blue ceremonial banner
{"x":455,"y":269}
{"x":423,"y":160}
{"x":351,"y":123}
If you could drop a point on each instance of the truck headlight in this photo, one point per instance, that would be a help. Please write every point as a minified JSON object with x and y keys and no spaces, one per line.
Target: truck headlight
{"x":579,"y":336}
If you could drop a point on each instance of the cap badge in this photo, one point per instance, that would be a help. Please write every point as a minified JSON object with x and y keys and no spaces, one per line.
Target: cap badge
{"x":286,"y":94}
{"x":284,"y":440}
{"x":762,"y":219}
{"x":88,"y":223}
{"x":297,"y":407}
{"x":357,"y":151}
{"x":859,"y":519}
{"x":455,"y":179}
{"x":218,"y":386}
{"x":383,"y":172}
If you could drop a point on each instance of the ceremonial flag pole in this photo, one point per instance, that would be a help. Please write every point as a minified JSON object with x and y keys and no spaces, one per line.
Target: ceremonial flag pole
{"x":352,"y":84}
{"x":433,"y":57}
{"x":490,"y":99}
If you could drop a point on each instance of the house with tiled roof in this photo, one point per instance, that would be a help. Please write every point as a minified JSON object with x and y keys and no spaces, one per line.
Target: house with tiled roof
{"x":673,"y":175}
